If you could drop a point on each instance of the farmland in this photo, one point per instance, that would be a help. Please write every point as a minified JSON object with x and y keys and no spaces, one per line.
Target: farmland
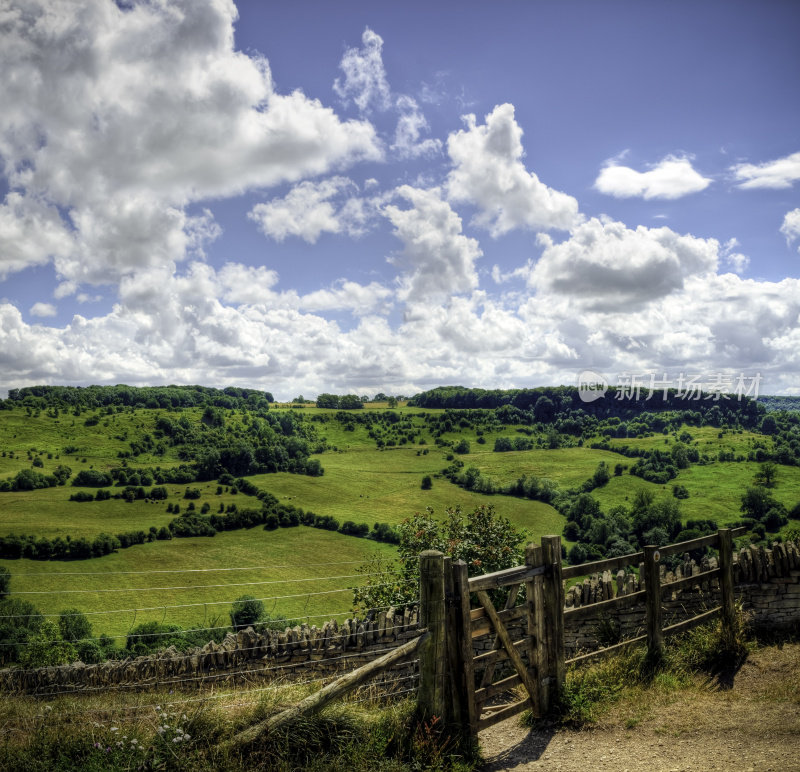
{"x":261,"y":475}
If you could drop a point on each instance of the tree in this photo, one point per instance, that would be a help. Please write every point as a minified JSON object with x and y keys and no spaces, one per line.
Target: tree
{"x":427,"y":483}
{"x":46,"y":647}
{"x":328,"y":400}
{"x":246,"y":611}
{"x":74,"y":625}
{"x":543,"y":410}
{"x":462,"y":447}
{"x":484,"y":540}
{"x":766,"y":474}
{"x":756,"y":502}
{"x":350,"y":402}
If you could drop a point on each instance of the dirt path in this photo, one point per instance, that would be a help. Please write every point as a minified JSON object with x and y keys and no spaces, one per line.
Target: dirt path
{"x":755,"y":725}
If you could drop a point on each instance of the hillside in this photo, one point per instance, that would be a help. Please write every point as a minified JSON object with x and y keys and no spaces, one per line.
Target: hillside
{"x":111,"y":480}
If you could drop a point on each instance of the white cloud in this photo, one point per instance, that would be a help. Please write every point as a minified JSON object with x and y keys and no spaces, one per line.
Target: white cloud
{"x":437,"y":259}
{"x":410,"y":125}
{"x":365,"y":82}
{"x":670,"y":178}
{"x":606,"y":266}
{"x":780,"y":173}
{"x":30,"y":234}
{"x":350,"y":296}
{"x":364,"y":75}
{"x":43,"y":309}
{"x":488,"y":171}
{"x":309,"y":210}
{"x":791,"y":226}
{"x":203,"y":326}
{"x":123,"y":117}
{"x":736,"y":260}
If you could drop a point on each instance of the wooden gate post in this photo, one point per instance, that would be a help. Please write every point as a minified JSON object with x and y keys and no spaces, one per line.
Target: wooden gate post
{"x":463,"y":674}
{"x":551,"y":639}
{"x":726,"y":581}
{"x":533,"y":600}
{"x":432,"y":695}
{"x":652,"y":579}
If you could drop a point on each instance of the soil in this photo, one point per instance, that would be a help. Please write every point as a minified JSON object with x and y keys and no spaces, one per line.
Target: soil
{"x":751,"y":722}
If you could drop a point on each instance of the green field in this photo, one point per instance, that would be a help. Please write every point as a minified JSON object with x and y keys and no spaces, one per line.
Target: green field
{"x":361,"y":483}
{"x":282,"y":562}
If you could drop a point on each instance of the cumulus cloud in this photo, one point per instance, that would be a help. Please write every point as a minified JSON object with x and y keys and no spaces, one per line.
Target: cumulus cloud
{"x":350,"y":296}
{"x":672,"y":177}
{"x":123,"y":116}
{"x":313,"y":208}
{"x":736,"y":260}
{"x":43,"y":309}
{"x":203,"y":326}
{"x":30,"y":234}
{"x":791,"y":226}
{"x":437,"y":260}
{"x":607,"y":266}
{"x":488,"y":171}
{"x":780,"y":173}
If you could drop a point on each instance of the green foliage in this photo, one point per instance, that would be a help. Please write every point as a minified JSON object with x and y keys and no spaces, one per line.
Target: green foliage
{"x":427,"y":483}
{"x":484,"y":540}
{"x":766,"y":475}
{"x":46,"y":647}
{"x":74,"y":625}
{"x":5,"y":581}
{"x":246,"y":611}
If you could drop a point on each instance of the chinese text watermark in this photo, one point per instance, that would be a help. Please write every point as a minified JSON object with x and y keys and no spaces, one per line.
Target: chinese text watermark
{"x":709,"y":386}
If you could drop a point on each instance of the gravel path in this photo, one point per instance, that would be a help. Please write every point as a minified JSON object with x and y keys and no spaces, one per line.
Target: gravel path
{"x":755,"y":725}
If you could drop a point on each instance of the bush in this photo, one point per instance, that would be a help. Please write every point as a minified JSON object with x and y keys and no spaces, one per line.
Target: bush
{"x":246,"y":612}
{"x":89,"y":651}
{"x":427,"y":483}
{"x":74,"y":625}
{"x":46,"y":647}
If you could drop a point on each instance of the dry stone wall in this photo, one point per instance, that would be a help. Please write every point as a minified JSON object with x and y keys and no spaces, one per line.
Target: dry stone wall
{"x":304,"y":651}
{"x":767,"y":582}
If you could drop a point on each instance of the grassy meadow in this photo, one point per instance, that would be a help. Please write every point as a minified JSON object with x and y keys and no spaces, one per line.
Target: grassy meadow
{"x":362,"y":482}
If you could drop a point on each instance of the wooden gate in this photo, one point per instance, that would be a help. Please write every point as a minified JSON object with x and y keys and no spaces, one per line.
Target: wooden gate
{"x":535,"y":594}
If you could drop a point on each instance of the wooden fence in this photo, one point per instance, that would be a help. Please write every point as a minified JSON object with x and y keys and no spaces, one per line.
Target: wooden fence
{"x":461,"y":688}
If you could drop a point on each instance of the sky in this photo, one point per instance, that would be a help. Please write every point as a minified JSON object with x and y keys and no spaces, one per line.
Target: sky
{"x":363,"y":197}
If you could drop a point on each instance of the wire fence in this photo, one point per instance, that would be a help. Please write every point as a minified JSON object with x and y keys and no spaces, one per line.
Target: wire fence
{"x":247,"y":665}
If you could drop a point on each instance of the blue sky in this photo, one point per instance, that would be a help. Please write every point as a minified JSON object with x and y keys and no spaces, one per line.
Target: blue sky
{"x":363,"y":197}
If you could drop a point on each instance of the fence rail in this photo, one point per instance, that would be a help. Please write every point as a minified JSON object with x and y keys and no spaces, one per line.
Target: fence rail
{"x":449,"y":685}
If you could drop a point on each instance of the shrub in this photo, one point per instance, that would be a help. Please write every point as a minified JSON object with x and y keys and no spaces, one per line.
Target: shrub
{"x":74,"y":625}
{"x":46,"y":647}
{"x":246,"y":612}
{"x":427,"y":483}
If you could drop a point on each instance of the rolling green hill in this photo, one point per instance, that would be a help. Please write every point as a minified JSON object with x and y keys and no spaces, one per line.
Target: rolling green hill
{"x":533,"y":454}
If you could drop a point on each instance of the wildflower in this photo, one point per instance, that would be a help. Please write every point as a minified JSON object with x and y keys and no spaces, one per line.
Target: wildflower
{"x":114,"y":729}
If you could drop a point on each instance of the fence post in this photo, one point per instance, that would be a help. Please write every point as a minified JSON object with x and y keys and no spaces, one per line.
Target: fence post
{"x":652,"y":580}
{"x":726,"y":581}
{"x":464,"y":676}
{"x":432,"y":695}
{"x":533,"y":600}
{"x":454,"y":692}
{"x":551,"y":679}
